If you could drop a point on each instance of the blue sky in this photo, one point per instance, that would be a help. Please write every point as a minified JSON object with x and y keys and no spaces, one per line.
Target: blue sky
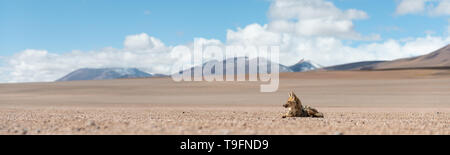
{"x":62,"y":26}
{"x":46,"y":39}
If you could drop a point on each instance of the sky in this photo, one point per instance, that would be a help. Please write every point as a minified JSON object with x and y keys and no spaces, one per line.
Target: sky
{"x":63,"y":26}
{"x":44,"y":40}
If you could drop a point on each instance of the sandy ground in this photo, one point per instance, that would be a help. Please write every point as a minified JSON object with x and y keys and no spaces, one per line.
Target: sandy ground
{"x":379,"y":102}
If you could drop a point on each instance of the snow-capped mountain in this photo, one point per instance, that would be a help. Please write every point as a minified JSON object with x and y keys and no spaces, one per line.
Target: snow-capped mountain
{"x":304,"y":65}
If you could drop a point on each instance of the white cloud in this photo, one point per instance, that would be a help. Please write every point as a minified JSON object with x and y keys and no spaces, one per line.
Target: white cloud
{"x":253,"y":34}
{"x":315,"y":29}
{"x":332,"y":50}
{"x":410,"y":6}
{"x":141,"y":51}
{"x":443,"y":8}
{"x":40,"y":65}
{"x":394,"y":49}
{"x":314,"y":18}
{"x":431,"y":7}
{"x":311,"y":9}
{"x":142,"y":41}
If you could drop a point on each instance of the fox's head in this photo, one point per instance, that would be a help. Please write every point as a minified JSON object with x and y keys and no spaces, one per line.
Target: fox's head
{"x":291,"y":101}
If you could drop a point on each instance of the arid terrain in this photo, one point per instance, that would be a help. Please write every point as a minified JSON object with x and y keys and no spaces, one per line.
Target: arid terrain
{"x":354,"y":102}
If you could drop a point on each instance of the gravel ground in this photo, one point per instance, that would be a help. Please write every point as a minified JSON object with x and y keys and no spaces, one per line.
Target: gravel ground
{"x":379,"y":102}
{"x":223,"y":120}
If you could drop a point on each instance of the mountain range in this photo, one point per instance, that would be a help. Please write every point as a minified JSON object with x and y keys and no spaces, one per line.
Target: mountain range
{"x":121,"y":73}
{"x":301,"y":66}
{"x":106,"y":74}
{"x":352,"y":66}
{"x":439,"y":59}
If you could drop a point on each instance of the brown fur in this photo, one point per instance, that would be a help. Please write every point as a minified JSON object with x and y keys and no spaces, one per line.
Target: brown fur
{"x":296,"y":109}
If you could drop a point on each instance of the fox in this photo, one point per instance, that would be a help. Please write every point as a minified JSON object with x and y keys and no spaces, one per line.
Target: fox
{"x":296,"y":108}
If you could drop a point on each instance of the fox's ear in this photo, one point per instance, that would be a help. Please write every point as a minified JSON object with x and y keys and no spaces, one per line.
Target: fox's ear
{"x":293,"y":94}
{"x":290,"y":94}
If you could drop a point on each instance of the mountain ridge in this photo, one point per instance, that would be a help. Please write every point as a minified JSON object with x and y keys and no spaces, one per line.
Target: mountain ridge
{"x":106,"y":74}
{"x":439,"y":59}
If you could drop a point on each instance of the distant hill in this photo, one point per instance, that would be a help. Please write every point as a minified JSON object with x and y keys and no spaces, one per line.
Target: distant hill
{"x":352,"y":66}
{"x":106,"y":74}
{"x":303,"y":66}
{"x":437,"y":59}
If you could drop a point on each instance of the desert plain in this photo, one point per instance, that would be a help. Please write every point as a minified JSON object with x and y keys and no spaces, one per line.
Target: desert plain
{"x":353,"y":102}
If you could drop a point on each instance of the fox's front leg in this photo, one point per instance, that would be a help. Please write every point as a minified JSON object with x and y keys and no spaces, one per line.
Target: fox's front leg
{"x":288,"y":114}
{"x":284,"y":115}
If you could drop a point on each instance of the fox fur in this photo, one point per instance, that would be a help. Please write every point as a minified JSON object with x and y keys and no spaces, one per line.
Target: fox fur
{"x":296,"y":109}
